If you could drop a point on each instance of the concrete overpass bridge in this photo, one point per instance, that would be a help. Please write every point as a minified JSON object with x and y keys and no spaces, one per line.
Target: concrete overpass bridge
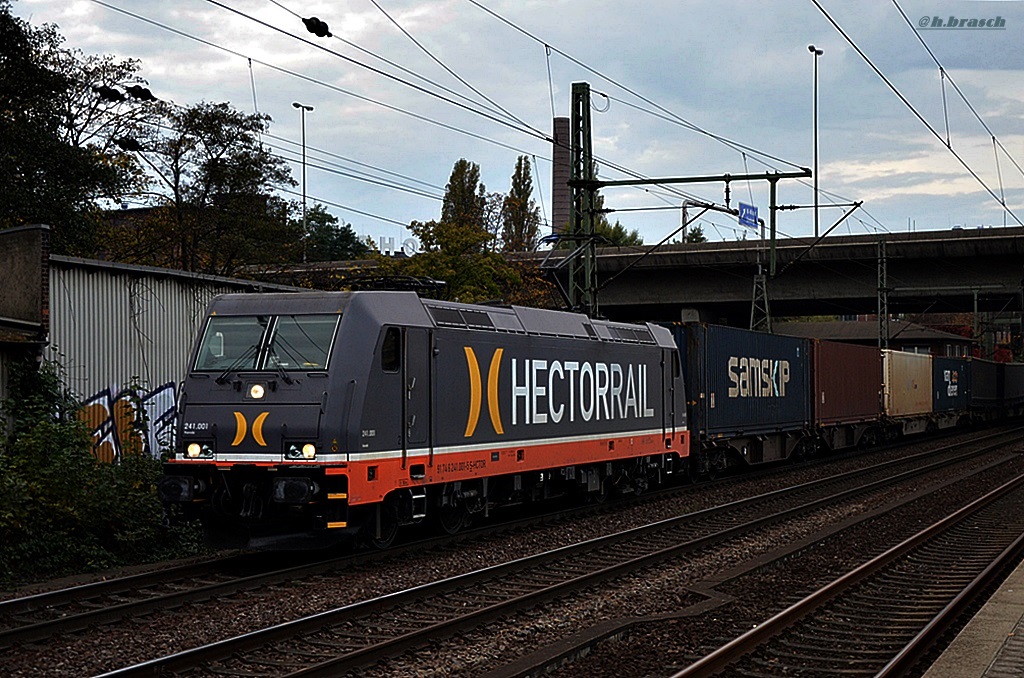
{"x":925,"y":272}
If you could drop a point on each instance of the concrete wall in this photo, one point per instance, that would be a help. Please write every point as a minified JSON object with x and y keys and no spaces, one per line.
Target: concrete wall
{"x":24,"y":284}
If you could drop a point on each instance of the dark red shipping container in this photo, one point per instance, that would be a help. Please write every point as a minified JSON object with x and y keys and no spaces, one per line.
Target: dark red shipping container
{"x":847,"y":383}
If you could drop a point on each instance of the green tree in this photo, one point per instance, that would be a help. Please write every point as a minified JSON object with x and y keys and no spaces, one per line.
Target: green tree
{"x":327,"y":239}
{"x":457,"y":249}
{"x":51,"y":172}
{"x":216,"y":210}
{"x":494,"y":220}
{"x":695,"y":234}
{"x":616,"y":235}
{"x":465,"y":200}
{"x":612,"y":235}
{"x":520,"y":214}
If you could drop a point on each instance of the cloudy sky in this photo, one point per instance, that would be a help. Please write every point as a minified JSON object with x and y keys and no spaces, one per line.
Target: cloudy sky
{"x":405,"y":88}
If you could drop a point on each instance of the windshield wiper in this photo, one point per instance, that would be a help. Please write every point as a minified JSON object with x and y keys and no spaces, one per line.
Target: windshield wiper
{"x":249,"y":352}
{"x":282,"y":373}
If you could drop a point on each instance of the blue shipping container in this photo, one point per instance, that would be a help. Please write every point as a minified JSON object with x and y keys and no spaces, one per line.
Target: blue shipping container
{"x":949,"y":384}
{"x":744,"y":383}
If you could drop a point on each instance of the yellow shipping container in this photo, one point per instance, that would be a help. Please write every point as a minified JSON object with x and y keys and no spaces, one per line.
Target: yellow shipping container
{"x":908,"y":383}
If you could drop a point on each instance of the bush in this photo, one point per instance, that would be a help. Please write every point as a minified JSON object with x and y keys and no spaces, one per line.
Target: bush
{"x":62,"y":511}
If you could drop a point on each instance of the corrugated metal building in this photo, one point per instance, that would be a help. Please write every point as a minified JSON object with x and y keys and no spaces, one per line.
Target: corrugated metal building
{"x":112,"y":324}
{"x":122,"y":333}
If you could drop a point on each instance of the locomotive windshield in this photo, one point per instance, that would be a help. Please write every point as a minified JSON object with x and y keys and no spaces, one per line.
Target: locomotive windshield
{"x":287,"y":342}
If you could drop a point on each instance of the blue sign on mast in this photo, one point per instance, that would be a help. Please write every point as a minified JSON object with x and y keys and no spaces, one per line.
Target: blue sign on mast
{"x":748,"y":215}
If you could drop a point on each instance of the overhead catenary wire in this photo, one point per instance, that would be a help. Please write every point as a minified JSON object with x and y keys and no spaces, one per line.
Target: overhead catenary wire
{"x":745,"y":151}
{"x":945,"y":75}
{"x":336,"y":169}
{"x":390,"y":76}
{"x":492,"y":107}
{"x":906,"y":102}
{"x":618,"y":84}
{"x":661,"y":112}
{"x":347,"y":208}
{"x":331,"y":154}
{"x":366,"y":179}
{"x":517,"y":150}
{"x":451,"y":72}
{"x":316,"y":81}
{"x":338,"y":89}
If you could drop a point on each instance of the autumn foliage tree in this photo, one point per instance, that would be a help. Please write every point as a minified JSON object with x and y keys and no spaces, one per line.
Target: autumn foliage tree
{"x":458,"y":249}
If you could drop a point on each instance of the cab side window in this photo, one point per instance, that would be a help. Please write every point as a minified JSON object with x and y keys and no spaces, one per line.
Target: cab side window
{"x":391,"y":350}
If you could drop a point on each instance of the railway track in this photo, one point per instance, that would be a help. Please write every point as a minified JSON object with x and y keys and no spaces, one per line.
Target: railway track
{"x":354,"y":636}
{"x":882,"y":618}
{"x":37,"y":617}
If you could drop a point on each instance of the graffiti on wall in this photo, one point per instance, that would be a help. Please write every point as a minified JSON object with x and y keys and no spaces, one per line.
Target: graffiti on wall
{"x":114,"y":416}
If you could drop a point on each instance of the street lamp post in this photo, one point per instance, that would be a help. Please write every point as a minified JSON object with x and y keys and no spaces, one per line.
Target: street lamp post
{"x":817,"y":53}
{"x":302,"y":110}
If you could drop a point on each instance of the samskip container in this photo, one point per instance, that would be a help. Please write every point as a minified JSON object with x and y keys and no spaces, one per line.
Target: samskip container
{"x":744,"y":383}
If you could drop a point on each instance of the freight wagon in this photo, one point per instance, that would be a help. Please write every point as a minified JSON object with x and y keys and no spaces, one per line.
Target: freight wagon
{"x":847,"y":394}
{"x":749,"y":395}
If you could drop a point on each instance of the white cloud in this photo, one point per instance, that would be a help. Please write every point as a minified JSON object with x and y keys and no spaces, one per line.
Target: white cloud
{"x":738,"y":69}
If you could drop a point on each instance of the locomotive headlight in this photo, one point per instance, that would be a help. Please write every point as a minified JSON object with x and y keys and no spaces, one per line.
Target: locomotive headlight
{"x":306,"y":451}
{"x":199,"y":450}
{"x":256,"y":391}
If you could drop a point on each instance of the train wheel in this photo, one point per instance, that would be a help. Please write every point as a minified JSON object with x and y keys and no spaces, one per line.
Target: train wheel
{"x":383,"y":527}
{"x":716,"y":462}
{"x":689,"y":469}
{"x":451,"y":510}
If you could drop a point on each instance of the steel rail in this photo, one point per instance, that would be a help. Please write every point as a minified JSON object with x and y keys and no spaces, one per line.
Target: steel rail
{"x":255,"y":640}
{"x":724,"y":656}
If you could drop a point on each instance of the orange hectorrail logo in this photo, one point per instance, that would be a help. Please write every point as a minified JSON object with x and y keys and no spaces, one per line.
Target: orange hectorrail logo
{"x":241,"y":428}
{"x":476,"y":391}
